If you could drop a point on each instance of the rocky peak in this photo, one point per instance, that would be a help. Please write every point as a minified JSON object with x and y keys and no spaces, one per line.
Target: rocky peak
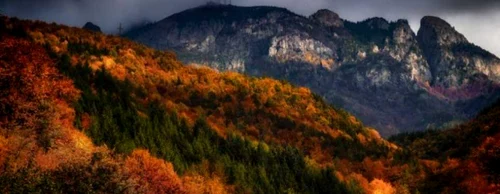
{"x":327,"y":18}
{"x":377,"y":23}
{"x":455,"y":63}
{"x":92,"y":27}
{"x":402,"y":32}
{"x":435,"y":31}
{"x":402,"y":23}
{"x":346,"y":62}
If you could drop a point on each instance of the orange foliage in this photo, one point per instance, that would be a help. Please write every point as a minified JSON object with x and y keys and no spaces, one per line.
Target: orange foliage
{"x":376,"y":186}
{"x":197,"y":184}
{"x":250,"y":101}
{"x":380,"y":187}
{"x":15,"y":153}
{"x":362,"y":181}
{"x":176,"y":86}
{"x":152,"y":175}
{"x":36,"y":119}
{"x":31,"y":83}
{"x":373,"y":169}
{"x":475,"y":181}
{"x":481,"y":171}
{"x":36,"y":99}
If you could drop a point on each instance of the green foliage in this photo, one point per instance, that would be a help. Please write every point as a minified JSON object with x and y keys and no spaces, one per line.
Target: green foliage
{"x":117,"y":123}
{"x":366,"y":33}
{"x":98,"y":177}
{"x":436,"y":144}
{"x":85,"y":47}
{"x":16,"y":31}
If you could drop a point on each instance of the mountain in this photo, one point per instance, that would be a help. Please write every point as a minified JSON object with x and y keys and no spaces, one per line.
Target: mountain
{"x":92,"y":27}
{"x":461,"y":70}
{"x":381,"y":71}
{"x":83,"y":112}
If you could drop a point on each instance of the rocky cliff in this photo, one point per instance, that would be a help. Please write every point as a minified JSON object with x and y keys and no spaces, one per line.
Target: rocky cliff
{"x":460,"y":69}
{"x":381,"y":71}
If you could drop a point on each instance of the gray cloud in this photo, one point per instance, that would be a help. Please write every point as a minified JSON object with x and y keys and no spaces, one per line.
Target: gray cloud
{"x":467,"y":5}
{"x":106,"y":13}
{"x":475,"y":18}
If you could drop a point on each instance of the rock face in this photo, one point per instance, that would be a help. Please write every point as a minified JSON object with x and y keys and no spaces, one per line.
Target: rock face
{"x":293,"y":48}
{"x":380,"y":71}
{"x":92,"y":27}
{"x":456,"y":63}
{"x":328,"y":18}
{"x":435,"y":31}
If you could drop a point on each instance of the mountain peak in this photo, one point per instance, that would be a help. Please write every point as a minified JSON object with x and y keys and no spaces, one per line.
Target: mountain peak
{"x":434,"y":30}
{"x":377,"y":23}
{"x":312,"y":51}
{"x":327,"y":18}
{"x":455,"y":62}
{"x":434,"y":21}
{"x":92,"y":27}
{"x":403,"y":22}
{"x":227,"y":13}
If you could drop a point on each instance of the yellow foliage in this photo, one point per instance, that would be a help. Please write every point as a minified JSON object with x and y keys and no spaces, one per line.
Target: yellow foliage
{"x":311,"y":109}
{"x":82,"y":142}
{"x":361,"y":138}
{"x":196,"y":184}
{"x":37,"y":37}
{"x":380,"y":187}
{"x":108,"y":62}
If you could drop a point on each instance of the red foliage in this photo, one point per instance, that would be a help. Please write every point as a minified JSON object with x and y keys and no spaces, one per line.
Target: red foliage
{"x":34,"y":102}
{"x":29,"y":83}
{"x":152,"y":175}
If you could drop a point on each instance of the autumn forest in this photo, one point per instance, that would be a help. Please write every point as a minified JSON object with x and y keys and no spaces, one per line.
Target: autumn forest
{"x":85,"y":112}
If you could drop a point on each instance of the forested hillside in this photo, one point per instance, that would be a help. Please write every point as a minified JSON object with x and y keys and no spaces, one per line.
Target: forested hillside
{"x":83,"y":112}
{"x":86,"y":112}
{"x":465,"y":158}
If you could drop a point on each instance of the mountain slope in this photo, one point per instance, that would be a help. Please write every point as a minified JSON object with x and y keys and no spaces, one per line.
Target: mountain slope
{"x":81,"y":107}
{"x":82,"y":112}
{"x":468,"y":155}
{"x":380,"y":71}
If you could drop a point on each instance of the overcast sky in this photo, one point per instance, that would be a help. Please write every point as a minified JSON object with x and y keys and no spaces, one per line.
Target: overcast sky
{"x":478,"y":20}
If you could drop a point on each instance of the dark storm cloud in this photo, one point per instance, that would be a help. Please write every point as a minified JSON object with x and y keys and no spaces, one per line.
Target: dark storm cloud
{"x":108,"y":13}
{"x":475,"y":18}
{"x":470,"y":5}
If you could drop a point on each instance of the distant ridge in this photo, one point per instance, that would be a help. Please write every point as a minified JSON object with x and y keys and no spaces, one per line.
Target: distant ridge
{"x":92,"y":27}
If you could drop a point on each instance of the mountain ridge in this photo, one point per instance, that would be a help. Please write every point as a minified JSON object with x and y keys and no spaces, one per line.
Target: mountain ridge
{"x":83,"y":112}
{"x":323,"y":52}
